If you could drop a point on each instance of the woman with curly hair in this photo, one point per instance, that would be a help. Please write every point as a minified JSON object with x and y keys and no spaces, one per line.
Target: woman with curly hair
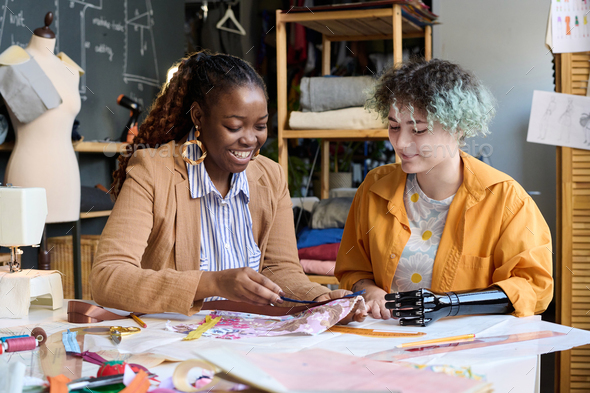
{"x":199,"y":214}
{"x":441,"y":233}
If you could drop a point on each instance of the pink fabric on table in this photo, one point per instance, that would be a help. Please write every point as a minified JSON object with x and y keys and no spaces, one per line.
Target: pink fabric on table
{"x":322,"y":268}
{"x":323,"y":252}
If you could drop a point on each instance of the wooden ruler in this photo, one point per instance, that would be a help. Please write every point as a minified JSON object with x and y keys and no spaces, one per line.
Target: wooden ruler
{"x":371,"y":332}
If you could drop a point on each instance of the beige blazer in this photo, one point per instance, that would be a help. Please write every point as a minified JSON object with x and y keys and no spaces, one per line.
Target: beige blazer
{"x":148,"y":255}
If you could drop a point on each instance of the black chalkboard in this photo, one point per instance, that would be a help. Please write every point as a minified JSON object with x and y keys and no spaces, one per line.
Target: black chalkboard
{"x":125,"y":47}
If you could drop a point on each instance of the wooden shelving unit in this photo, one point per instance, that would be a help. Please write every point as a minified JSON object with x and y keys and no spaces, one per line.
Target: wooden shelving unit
{"x":84,"y":147}
{"x":344,"y":25}
{"x":572,"y":272}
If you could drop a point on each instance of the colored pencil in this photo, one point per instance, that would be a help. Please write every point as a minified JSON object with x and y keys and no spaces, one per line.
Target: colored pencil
{"x":437,"y":341}
{"x":139,"y":321}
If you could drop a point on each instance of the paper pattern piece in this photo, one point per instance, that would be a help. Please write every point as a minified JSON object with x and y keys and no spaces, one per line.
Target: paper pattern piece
{"x":307,"y":370}
{"x":570,"y":31}
{"x":560,"y":119}
{"x":313,"y":321}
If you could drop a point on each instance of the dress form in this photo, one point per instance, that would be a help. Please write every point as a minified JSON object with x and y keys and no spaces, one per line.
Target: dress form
{"x":43,"y":155}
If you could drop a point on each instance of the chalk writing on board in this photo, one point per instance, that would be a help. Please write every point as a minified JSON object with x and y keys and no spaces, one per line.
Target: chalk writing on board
{"x":102,"y":48}
{"x":139,"y":39}
{"x":97,"y":5}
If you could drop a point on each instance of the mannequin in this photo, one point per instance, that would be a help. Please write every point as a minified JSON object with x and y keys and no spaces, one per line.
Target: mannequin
{"x":43,"y":154}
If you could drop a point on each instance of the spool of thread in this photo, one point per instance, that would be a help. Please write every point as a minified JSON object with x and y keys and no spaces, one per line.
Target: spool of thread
{"x":20,"y":344}
{"x":2,"y":339}
{"x":39,"y":334}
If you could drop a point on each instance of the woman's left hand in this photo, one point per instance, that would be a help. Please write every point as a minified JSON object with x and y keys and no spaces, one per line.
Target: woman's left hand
{"x":356,"y":314}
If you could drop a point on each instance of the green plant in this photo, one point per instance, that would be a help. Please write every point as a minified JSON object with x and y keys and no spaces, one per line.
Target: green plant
{"x":344,"y":163}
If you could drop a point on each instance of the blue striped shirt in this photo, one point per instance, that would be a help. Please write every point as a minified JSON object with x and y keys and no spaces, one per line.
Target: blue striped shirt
{"x":226,"y":223}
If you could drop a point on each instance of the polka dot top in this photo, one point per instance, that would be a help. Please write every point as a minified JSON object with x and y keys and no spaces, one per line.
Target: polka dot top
{"x":427,"y":219}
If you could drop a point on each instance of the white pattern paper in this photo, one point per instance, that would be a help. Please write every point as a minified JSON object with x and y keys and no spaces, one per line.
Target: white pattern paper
{"x":560,"y":119}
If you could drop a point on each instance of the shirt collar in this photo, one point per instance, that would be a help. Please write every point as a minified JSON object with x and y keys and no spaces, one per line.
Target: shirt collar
{"x":200,"y":183}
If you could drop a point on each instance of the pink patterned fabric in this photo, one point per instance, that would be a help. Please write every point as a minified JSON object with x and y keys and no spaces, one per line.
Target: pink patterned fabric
{"x":312,"y":321}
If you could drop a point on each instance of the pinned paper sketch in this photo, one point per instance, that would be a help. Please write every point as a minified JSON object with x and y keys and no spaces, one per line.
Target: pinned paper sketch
{"x":569,"y":26}
{"x":315,"y":320}
{"x":560,"y":119}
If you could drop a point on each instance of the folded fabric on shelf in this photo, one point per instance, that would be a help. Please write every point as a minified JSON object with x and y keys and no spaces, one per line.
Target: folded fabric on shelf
{"x":321,"y":93}
{"x":330,"y":213}
{"x":323,"y":252}
{"x":315,"y":237}
{"x":322,"y":268}
{"x":357,"y":118}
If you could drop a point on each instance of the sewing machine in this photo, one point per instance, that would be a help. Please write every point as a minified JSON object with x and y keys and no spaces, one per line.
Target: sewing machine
{"x":22,"y":219}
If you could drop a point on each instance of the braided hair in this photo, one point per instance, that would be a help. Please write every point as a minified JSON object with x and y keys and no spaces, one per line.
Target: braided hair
{"x":201,"y":77}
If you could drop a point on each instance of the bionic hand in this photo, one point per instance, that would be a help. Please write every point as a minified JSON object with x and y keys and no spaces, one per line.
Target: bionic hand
{"x":422,"y":306}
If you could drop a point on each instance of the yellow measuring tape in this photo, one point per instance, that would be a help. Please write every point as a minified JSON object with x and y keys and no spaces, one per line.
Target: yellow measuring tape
{"x":371,"y":332}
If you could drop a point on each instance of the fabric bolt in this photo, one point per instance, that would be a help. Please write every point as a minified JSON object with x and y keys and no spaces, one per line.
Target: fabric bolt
{"x":322,"y":268}
{"x":27,"y":90}
{"x":323,"y":252}
{"x":325,"y":93}
{"x":427,"y":220}
{"x":148,"y":257}
{"x":494,"y":234}
{"x":357,"y":118}
{"x":227,"y":241}
{"x":330,"y":213}
{"x":316,"y":237}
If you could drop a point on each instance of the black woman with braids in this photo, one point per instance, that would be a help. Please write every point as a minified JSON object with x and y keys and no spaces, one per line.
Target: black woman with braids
{"x":441,"y":233}
{"x":200,"y":215}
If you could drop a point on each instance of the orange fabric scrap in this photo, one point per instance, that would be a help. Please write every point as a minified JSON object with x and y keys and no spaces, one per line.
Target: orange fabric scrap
{"x":58,"y":384}
{"x":140,"y":384}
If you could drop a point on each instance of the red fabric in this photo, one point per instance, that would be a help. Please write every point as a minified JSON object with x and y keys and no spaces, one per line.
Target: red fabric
{"x":324,"y":252}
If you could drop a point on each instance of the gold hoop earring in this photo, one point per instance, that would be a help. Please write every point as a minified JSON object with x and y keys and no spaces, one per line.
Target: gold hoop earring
{"x":194,"y":142}
{"x":255,"y":155}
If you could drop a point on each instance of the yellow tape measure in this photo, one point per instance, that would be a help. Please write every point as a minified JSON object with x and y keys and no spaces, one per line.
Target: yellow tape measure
{"x":371,"y":332}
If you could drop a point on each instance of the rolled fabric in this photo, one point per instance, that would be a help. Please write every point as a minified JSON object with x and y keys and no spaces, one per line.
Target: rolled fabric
{"x":322,"y":268}
{"x":341,"y":119}
{"x":322,"y":93}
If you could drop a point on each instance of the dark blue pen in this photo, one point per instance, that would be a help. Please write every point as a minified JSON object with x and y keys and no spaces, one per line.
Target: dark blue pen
{"x":312,"y":301}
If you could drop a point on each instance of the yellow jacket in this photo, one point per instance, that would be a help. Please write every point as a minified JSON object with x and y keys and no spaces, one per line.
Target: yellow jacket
{"x":494,"y":234}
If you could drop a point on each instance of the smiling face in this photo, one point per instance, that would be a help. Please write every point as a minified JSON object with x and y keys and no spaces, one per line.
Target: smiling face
{"x":421,"y":150}
{"x":232,"y":130}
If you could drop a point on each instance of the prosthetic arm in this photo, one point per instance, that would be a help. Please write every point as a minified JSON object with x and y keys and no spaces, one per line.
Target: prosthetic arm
{"x":422,"y":306}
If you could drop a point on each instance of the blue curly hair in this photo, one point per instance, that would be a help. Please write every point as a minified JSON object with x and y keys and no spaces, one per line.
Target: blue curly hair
{"x":447,"y":93}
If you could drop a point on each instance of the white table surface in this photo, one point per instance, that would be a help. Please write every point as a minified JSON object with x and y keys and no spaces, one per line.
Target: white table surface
{"x":506,"y":367}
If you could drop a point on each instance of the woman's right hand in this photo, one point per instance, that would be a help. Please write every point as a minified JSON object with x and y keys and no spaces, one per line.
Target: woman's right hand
{"x":374,"y":299}
{"x":242,"y":285}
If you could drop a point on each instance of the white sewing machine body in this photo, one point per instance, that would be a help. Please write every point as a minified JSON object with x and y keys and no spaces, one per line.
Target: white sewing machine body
{"x":22,"y":218}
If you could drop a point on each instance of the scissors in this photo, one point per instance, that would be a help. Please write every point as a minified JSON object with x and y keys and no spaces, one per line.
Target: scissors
{"x":114,"y":331}
{"x":117,"y":331}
